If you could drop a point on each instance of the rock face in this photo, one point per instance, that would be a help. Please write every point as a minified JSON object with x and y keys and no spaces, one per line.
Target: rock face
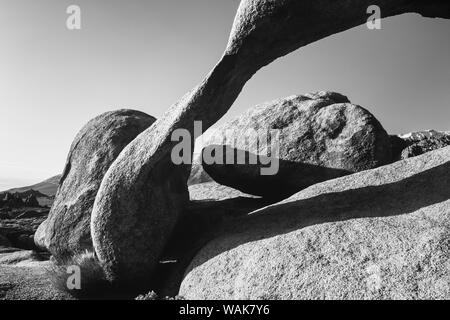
{"x":321,"y":137}
{"x":96,"y":146}
{"x":40,"y":236}
{"x":143,"y":192}
{"x":377,"y":234}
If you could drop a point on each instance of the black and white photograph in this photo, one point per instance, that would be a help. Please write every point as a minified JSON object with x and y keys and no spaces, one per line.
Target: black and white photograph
{"x":219,"y":157}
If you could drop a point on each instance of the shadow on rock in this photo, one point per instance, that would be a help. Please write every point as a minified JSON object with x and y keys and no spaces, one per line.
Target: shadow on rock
{"x":285,"y":178}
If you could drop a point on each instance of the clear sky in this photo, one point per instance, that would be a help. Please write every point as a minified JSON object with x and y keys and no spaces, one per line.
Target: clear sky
{"x":146,"y":54}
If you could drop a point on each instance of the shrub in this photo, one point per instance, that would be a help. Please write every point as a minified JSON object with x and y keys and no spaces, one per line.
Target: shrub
{"x":93,"y":283}
{"x":153,"y":296}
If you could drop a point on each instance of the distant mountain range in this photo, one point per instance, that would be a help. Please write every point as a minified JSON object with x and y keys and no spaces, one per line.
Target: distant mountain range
{"x":47,"y":187}
{"x":43,"y":191}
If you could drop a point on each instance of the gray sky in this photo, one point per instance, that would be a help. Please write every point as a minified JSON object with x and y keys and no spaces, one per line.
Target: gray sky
{"x":146,"y":54}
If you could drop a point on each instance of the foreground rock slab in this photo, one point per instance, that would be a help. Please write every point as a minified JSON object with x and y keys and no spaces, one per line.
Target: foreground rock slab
{"x":378,"y":234}
{"x":67,"y":228}
{"x":24,"y":276}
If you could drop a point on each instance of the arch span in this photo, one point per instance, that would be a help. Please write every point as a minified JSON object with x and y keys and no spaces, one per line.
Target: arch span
{"x":140,"y":194}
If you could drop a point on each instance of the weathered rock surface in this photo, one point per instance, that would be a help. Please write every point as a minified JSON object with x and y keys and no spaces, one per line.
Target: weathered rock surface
{"x":321,"y":137}
{"x":96,"y":146}
{"x":143,"y":193}
{"x":24,"y":276}
{"x":198,"y":174}
{"x":377,"y":234}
